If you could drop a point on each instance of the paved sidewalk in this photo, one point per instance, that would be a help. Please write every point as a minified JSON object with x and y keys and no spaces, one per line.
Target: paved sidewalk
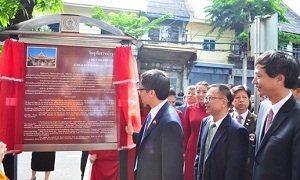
{"x":67,"y":166}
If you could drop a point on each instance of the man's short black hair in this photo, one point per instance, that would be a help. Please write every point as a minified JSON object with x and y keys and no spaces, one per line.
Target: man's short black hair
{"x":158,"y":81}
{"x":278,"y":62}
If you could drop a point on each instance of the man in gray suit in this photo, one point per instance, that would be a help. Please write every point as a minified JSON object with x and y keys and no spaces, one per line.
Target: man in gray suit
{"x":159,"y":144}
{"x":277,"y":153}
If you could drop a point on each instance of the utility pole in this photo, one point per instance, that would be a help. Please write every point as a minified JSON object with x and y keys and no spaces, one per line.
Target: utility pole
{"x":256,"y":55}
{"x":263,"y":37}
{"x":244,"y":67}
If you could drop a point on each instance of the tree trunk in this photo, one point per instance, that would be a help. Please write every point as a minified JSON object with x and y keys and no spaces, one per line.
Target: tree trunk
{"x":23,"y":16}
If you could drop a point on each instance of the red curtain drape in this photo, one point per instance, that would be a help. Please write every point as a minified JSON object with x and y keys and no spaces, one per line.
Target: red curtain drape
{"x":125,"y":80}
{"x":12,"y":77}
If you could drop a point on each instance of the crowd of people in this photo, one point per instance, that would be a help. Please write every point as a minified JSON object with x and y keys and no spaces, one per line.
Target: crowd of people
{"x":220,"y":137}
{"x":215,"y":133}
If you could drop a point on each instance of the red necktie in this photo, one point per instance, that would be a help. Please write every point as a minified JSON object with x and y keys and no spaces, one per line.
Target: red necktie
{"x":269,"y":120}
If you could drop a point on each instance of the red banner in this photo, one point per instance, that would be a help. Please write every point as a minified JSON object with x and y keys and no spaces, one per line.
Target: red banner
{"x":125,"y":79}
{"x":12,"y":75}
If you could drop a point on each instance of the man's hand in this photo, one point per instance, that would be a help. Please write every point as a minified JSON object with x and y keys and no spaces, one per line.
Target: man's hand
{"x":2,"y":150}
{"x":129,"y":129}
{"x":93,"y":158}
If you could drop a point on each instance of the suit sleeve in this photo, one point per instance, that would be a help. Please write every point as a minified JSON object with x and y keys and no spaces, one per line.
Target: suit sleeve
{"x":134,"y":137}
{"x":237,"y":155}
{"x":198,"y":148}
{"x":296,"y":154}
{"x":180,"y":116}
{"x":172,"y":152}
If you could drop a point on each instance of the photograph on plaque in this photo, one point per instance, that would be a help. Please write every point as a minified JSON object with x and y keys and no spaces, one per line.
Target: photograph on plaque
{"x":41,"y":57}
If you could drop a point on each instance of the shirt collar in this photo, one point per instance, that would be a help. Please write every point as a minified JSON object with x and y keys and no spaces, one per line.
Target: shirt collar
{"x":218,"y":123}
{"x":279,"y":104}
{"x":244,"y":115}
{"x":154,"y":111}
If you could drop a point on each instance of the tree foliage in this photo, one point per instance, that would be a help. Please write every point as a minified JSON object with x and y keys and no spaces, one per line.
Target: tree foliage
{"x":15,"y":11}
{"x":237,"y":14}
{"x":8,"y":9}
{"x":287,"y":38}
{"x":129,"y":22}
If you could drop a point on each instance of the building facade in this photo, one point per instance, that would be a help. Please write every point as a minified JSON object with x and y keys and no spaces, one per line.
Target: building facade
{"x":182,"y":47}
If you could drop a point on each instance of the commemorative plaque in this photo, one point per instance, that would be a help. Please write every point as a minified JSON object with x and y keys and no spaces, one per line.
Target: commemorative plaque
{"x":69,"y":98}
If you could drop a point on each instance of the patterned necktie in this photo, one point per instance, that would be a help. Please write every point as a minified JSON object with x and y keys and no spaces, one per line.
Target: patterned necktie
{"x":269,"y":120}
{"x":208,"y":139}
{"x":239,"y":119}
{"x":148,"y":120}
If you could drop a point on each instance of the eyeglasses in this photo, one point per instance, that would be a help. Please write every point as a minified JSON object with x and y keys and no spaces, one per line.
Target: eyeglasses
{"x":140,"y":89}
{"x":209,"y":98}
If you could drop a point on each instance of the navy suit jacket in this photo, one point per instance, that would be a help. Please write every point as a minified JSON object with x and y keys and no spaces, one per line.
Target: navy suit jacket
{"x":228,"y":152}
{"x":182,"y":108}
{"x":277,"y":153}
{"x":160,"y":154}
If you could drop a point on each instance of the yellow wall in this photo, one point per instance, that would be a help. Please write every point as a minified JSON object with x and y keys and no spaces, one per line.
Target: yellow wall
{"x":197,"y":32}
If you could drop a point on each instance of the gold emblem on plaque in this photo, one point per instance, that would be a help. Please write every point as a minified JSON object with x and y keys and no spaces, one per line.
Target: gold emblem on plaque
{"x":70,"y":24}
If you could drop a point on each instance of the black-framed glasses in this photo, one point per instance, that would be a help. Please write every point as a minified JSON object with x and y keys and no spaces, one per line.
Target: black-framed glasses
{"x":141,"y":89}
{"x":209,"y":98}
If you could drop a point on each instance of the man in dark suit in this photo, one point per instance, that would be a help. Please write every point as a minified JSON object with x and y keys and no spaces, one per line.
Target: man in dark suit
{"x":277,"y":153}
{"x":241,"y":102}
{"x":226,"y":156}
{"x":159,"y":144}
{"x":190,"y":98}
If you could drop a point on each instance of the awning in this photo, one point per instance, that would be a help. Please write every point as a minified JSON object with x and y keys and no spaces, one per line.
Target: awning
{"x":171,"y":53}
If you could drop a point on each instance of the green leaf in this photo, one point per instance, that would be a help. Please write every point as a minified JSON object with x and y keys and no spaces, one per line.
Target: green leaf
{"x":237,"y":14}
{"x":9,"y":8}
{"x":130,"y":23}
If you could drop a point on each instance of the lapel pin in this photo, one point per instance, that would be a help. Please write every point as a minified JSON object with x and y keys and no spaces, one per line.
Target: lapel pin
{"x":154,"y":122}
